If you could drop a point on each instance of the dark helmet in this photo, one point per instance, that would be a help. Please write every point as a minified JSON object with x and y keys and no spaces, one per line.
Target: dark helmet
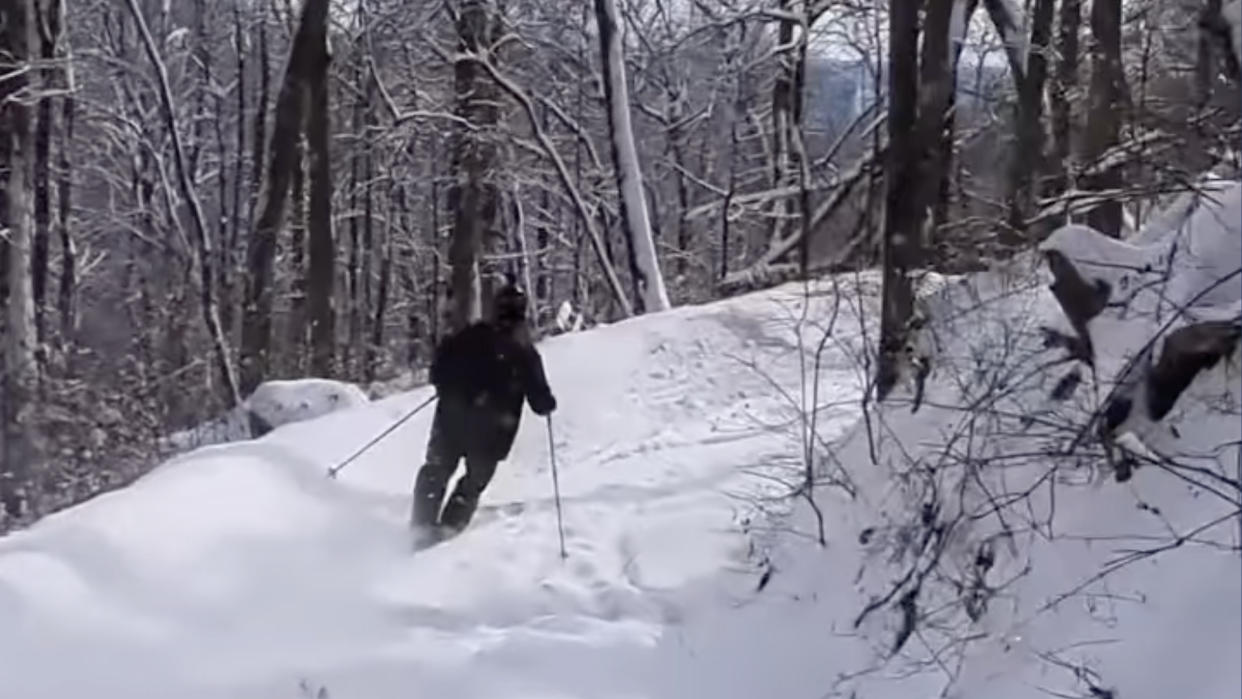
{"x":509,"y":305}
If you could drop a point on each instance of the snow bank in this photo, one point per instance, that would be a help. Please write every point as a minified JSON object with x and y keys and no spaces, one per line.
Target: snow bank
{"x":999,"y":560}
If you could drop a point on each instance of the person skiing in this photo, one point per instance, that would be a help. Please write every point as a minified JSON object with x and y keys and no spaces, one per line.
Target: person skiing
{"x":482,"y":374}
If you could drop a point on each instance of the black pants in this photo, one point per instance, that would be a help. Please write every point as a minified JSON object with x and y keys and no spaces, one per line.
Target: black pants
{"x":442,"y":458}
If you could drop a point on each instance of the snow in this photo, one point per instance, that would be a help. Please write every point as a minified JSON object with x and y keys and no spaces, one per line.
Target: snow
{"x":568,"y":319}
{"x":1186,"y":269}
{"x":241,"y":571}
{"x":279,"y":403}
{"x":1072,"y":609}
{"x":273,"y":404}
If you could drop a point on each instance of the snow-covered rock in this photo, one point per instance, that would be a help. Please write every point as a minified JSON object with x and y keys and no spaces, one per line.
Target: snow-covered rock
{"x":1173,"y":306}
{"x":277,"y":403}
{"x":273,"y":404}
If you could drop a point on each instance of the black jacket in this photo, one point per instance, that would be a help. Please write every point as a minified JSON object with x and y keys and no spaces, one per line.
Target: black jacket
{"x":482,"y":375}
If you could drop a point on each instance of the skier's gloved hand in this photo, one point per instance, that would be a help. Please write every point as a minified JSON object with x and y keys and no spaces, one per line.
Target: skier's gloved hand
{"x":543,"y":405}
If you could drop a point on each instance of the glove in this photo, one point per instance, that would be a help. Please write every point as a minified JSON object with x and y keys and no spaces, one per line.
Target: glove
{"x":543,"y":405}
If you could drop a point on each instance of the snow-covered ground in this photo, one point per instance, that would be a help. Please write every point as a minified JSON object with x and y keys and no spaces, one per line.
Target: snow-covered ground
{"x":241,"y":571}
{"x":996,"y":536}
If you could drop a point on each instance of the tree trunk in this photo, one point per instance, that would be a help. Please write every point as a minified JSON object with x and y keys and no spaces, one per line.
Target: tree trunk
{"x":297,"y":338}
{"x":321,"y":247}
{"x":1206,"y":66}
{"x":635,"y":220}
{"x":1062,"y":109}
{"x":784,"y":94}
{"x":261,"y":246}
{"x":375,"y":343}
{"x":20,"y":378}
{"x":475,"y":197}
{"x":68,"y":292}
{"x":937,"y":83}
{"x":353,"y":276}
{"x":1026,"y":163}
{"x":48,"y":29}
{"x":901,"y":221}
{"x":202,"y":255}
{"x":1103,"y":132}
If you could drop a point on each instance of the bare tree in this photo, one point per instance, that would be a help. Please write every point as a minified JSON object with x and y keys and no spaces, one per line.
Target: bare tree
{"x":475,"y":197}
{"x":1103,"y":130}
{"x":202,"y":256}
{"x":300,"y":69}
{"x":321,"y":246}
{"x":902,"y":220}
{"x":644,"y":262}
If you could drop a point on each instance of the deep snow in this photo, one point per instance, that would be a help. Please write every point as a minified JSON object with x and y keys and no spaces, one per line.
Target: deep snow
{"x":242,"y":571}
{"x":1095,"y":586}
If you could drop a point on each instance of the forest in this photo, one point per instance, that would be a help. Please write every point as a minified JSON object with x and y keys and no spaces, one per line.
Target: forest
{"x":198,"y":199}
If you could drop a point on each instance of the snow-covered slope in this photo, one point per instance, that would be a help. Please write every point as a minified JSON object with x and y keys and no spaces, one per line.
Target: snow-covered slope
{"x":978,"y":536}
{"x":1001,"y":558}
{"x":240,"y":570}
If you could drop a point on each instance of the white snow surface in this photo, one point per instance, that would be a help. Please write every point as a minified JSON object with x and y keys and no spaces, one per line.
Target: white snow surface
{"x":241,"y":571}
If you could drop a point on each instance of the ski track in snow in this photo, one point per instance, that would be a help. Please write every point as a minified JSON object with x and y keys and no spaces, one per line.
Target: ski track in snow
{"x":237,"y":569}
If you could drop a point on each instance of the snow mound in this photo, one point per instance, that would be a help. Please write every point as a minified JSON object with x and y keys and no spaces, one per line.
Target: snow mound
{"x":272,"y":405}
{"x":242,"y":571}
{"x":997,"y":558}
{"x":277,"y":403}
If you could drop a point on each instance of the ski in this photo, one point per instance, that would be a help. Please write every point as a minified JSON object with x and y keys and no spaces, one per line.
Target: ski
{"x":434,"y":536}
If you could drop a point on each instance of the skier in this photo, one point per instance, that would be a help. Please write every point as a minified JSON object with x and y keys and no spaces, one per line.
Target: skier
{"x":482,"y":375}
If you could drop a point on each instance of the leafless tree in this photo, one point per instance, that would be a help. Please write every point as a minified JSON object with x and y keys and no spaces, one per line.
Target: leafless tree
{"x":21,"y":372}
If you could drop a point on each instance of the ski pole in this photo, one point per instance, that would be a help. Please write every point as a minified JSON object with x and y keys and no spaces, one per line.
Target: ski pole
{"x":337,"y":469}
{"x":556,"y":490}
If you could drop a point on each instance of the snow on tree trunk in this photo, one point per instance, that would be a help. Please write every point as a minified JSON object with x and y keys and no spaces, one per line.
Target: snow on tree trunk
{"x":634,"y":215}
